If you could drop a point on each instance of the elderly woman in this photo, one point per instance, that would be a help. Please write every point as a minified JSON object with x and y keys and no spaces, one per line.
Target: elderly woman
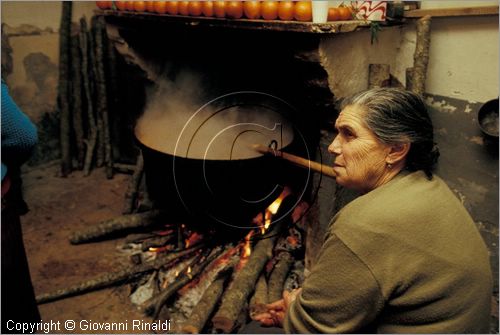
{"x":405,"y":256}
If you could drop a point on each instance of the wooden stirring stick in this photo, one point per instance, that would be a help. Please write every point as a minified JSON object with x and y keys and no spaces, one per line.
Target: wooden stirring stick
{"x":299,"y":161}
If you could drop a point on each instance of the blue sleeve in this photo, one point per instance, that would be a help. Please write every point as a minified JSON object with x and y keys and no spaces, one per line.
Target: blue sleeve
{"x":19,"y":134}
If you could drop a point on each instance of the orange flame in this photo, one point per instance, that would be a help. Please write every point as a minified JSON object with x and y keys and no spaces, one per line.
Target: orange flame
{"x":193,"y":239}
{"x":247,"y":249}
{"x":160,"y":249}
{"x":271,"y":210}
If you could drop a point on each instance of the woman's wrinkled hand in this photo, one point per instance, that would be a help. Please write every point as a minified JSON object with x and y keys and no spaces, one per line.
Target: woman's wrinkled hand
{"x":276,"y":311}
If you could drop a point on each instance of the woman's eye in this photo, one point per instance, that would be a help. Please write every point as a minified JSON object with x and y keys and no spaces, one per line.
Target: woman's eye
{"x":348,"y":133}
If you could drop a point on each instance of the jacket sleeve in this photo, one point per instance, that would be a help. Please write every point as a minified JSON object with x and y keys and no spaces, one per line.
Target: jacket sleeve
{"x":341,"y":294}
{"x":19,"y":134}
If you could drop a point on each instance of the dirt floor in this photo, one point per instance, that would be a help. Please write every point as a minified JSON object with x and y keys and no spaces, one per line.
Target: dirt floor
{"x":58,"y":207}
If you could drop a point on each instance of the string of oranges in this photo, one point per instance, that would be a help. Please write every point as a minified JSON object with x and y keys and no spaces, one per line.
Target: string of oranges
{"x":254,"y":10}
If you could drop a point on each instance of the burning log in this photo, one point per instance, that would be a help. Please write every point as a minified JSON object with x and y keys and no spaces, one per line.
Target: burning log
{"x":115,"y":225}
{"x":259,"y":299}
{"x":154,"y":308}
{"x":133,"y":186}
{"x":116,"y":277}
{"x":205,"y":307}
{"x":244,"y":282}
{"x":156,"y":242}
{"x":279,"y":275}
{"x":138,"y":238}
{"x":190,"y":295}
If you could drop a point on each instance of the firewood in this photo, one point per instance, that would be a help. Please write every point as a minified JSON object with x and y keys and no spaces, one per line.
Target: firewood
{"x":278,"y":276}
{"x":114,"y":94}
{"x":116,"y":277}
{"x":295,"y":276}
{"x":259,"y":298}
{"x":91,"y":140}
{"x":421,"y":55}
{"x":76,"y":61}
{"x":244,"y":282}
{"x":138,"y":238}
{"x":156,"y":242}
{"x":206,"y":305}
{"x":155,"y":306}
{"x":124,"y":168}
{"x":133,"y":186}
{"x":99,"y":154}
{"x":116,"y":225}
{"x":101,"y":90}
{"x":64,"y":85}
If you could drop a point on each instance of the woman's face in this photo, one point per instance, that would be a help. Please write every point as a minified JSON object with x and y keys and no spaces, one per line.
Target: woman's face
{"x":360,"y":158}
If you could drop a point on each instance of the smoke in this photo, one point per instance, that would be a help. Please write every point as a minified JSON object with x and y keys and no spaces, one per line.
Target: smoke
{"x":182,"y":119}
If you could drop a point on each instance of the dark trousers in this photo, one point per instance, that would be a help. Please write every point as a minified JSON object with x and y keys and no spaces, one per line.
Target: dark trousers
{"x":17,"y":296}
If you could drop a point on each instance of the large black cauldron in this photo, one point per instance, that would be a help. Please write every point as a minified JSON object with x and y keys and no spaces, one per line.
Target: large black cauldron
{"x":212,"y":192}
{"x":200,"y":184}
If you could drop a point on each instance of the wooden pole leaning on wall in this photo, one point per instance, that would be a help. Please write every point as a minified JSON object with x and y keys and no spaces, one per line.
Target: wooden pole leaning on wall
{"x":415,"y":77}
{"x":63,"y":91}
{"x":91,"y":140}
{"x":76,"y":68}
{"x":102,"y":96}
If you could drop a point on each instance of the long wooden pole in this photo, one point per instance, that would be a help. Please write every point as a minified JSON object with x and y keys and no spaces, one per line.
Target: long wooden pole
{"x":299,"y":161}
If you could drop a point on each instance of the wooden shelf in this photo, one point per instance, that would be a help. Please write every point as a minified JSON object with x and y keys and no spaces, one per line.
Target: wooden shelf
{"x":449,"y":12}
{"x":123,"y":17}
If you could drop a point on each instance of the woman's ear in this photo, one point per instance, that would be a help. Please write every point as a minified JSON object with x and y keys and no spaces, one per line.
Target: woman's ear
{"x":398,"y":153}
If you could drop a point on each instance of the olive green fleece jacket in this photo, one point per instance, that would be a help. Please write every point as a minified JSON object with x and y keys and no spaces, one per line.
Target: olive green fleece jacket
{"x":403,"y":258}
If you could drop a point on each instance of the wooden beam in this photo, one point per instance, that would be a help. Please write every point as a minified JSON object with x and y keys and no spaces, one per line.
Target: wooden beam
{"x":447,"y":12}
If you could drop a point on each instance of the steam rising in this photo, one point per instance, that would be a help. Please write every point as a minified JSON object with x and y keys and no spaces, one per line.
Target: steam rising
{"x":175,"y":123}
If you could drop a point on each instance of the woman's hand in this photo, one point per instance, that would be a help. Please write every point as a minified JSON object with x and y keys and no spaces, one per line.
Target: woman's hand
{"x":276,"y":311}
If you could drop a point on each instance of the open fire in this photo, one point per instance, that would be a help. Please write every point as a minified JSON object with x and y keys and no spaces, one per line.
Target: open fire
{"x":201,"y":286}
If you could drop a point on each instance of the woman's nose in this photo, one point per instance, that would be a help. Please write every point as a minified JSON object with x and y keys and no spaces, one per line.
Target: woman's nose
{"x":334,"y":147}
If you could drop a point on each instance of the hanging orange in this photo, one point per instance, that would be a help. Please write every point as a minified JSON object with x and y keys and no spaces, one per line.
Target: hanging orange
{"x":207,"y":8}
{"x":194,"y":8}
{"x":150,"y":6}
{"x":220,"y":9}
{"x":183,"y":7}
{"x":286,"y":10}
{"x":234,"y":9}
{"x":139,"y":6}
{"x":121,"y":5}
{"x":160,"y":6}
{"x":251,"y":9}
{"x":269,"y":10}
{"x":129,"y":5}
{"x":104,"y":4}
{"x":303,"y":11}
{"x":172,"y":7}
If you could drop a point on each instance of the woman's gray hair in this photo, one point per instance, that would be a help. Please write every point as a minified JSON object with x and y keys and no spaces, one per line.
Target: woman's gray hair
{"x":399,"y":116}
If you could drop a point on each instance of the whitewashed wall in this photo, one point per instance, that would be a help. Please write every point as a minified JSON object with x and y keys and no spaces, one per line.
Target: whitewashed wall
{"x":463,"y":59}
